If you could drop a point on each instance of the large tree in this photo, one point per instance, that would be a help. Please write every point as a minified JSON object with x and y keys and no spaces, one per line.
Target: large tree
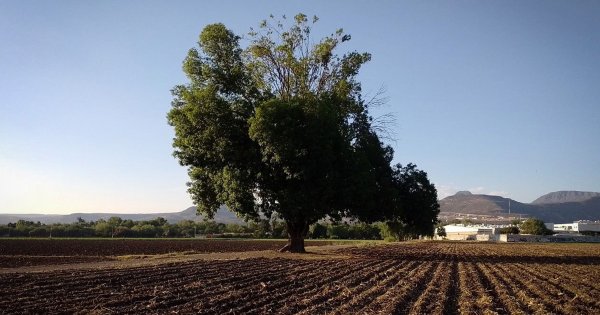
{"x":416,"y":204}
{"x":280,"y":128}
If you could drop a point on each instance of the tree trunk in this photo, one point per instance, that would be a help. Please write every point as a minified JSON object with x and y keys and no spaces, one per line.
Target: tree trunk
{"x":296,"y":234}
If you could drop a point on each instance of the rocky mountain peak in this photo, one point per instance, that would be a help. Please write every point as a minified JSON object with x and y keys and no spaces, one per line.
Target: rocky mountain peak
{"x":566,"y":196}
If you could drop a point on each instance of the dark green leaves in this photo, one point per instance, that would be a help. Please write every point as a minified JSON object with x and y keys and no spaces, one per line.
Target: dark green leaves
{"x":281,"y":128}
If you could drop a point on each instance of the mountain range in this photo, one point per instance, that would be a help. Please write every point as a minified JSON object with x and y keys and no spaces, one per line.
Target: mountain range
{"x":223,"y":215}
{"x":555,"y":207}
{"x":565,"y":197}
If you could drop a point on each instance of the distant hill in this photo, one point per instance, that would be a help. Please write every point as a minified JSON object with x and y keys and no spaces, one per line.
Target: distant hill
{"x":558,"y":208}
{"x":566,"y":196}
{"x":481,"y":204}
{"x":570,"y":211}
{"x":223,"y":215}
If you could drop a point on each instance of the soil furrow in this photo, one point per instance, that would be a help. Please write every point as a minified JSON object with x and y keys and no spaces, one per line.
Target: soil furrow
{"x":358,"y":298}
{"x":432,"y":299}
{"x":529,"y":294}
{"x":569,"y":299}
{"x":314,"y":281}
{"x":300,"y":296}
{"x":505,"y":291}
{"x":408,"y":277}
{"x":404,"y":292}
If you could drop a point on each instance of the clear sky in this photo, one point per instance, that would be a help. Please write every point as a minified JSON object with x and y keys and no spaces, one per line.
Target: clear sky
{"x":499,"y":97}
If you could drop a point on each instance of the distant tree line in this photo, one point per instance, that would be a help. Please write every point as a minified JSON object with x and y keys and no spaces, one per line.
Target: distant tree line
{"x":159,"y":227}
{"x":116,"y":227}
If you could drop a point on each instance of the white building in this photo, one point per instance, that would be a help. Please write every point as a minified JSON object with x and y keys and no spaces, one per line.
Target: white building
{"x":578,"y":226}
{"x":460,"y":232}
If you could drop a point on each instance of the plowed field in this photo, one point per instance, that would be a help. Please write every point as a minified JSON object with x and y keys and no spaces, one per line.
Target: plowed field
{"x":116,"y":247}
{"x":35,"y":252}
{"x":406,"y":278}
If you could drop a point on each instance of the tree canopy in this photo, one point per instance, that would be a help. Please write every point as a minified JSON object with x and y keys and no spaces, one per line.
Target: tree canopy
{"x":535,"y":227}
{"x":414,"y":212}
{"x":281,"y":128}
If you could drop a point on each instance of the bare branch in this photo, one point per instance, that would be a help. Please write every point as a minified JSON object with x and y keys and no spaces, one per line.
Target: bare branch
{"x":378,"y":99}
{"x":382,"y":125}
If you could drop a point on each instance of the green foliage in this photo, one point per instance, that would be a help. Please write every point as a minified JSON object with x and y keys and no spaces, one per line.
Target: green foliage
{"x":441,"y":231}
{"x":535,"y":227}
{"x":146,"y":230}
{"x":279,"y":229}
{"x":356,"y":231}
{"x":509,"y":230}
{"x":103,"y":229}
{"x":260,"y":229}
{"x":288,"y":64}
{"x":338,"y":231}
{"x":387,"y":233}
{"x":211,"y":227}
{"x":114,"y":221}
{"x":5,"y":231}
{"x":416,"y":204}
{"x":39,"y":232}
{"x":186,"y":228}
{"x":123,"y":231}
{"x":318,"y":230}
{"x":235,"y":228}
{"x":363,"y":231}
{"x":396,"y":230}
{"x":280,"y":129}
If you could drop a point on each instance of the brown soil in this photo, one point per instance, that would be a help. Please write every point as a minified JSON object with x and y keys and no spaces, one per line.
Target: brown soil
{"x":405,"y":278}
{"x":116,"y":247}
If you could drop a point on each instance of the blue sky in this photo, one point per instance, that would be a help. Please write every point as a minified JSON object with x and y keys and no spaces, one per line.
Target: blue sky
{"x":499,"y":97}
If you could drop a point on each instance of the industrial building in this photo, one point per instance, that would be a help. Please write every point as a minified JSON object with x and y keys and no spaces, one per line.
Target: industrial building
{"x":576,"y":227}
{"x":460,"y":232}
{"x":567,"y":232}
